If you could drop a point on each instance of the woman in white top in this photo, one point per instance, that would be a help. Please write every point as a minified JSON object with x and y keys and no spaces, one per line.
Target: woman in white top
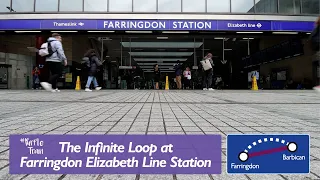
{"x":187,"y":78}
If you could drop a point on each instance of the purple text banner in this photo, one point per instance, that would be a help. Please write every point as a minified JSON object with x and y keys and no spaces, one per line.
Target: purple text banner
{"x":115,"y":154}
{"x":156,"y":25}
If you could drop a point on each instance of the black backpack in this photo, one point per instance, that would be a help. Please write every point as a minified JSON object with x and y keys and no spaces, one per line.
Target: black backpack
{"x":50,"y":51}
{"x":85,"y":65}
{"x":315,"y":39}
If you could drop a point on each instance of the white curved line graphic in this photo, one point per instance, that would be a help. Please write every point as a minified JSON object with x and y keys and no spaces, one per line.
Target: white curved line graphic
{"x":265,"y":140}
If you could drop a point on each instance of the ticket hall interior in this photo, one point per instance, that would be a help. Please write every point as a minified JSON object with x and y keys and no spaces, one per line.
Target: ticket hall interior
{"x":278,"y":57}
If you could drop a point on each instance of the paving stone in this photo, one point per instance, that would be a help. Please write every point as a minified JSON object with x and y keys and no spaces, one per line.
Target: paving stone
{"x":3,"y":163}
{"x":118,"y":177}
{"x":43,"y":177}
{"x":156,"y":177}
{"x":274,"y":112}
{"x":193,"y":177}
{"x":4,"y":175}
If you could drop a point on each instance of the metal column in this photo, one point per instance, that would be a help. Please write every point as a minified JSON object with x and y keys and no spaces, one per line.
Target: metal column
{"x":248,"y":46}
{"x":102,"y":49}
{"x":223,"y":49}
{"x":121,"y":51}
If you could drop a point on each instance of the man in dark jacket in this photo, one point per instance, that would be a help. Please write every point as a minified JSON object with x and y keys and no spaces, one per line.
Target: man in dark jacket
{"x":315,"y":40}
{"x":178,"y":71}
{"x":92,"y":62}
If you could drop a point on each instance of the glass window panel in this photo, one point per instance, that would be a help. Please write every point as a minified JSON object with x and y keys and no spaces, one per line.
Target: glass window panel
{"x":266,"y":6}
{"x":310,"y":6}
{"x":70,"y":5}
{"x":218,"y":6}
{"x":144,"y":5}
{"x":193,"y":6}
{"x":297,"y":7}
{"x":46,"y":5}
{"x":242,"y":6}
{"x":169,"y":5}
{"x":120,"y":5}
{"x":286,"y":7}
{"x":95,"y":5}
{"x":4,"y":5}
{"x":22,"y":5}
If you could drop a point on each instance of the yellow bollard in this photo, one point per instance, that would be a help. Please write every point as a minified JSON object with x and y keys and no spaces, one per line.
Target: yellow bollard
{"x":78,"y":84}
{"x":167,"y":83}
{"x":254,"y":84}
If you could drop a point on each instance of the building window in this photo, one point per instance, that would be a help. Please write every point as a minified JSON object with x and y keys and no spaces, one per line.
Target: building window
{"x":46,"y":5}
{"x":96,"y":5}
{"x":266,"y":6}
{"x":169,"y":5}
{"x":5,"y":6}
{"x":70,"y":5}
{"x":218,"y":6}
{"x":144,"y":5}
{"x":297,"y":7}
{"x":193,"y":6}
{"x":22,"y":6}
{"x":310,"y":7}
{"x":242,"y":6}
{"x":120,"y":5}
{"x":286,"y":7}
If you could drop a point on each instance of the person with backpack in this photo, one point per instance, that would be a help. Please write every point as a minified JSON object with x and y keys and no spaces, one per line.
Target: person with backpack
{"x":93,"y":63}
{"x":54,"y":53}
{"x":178,"y":70}
{"x":207,"y":64}
{"x":315,"y":45}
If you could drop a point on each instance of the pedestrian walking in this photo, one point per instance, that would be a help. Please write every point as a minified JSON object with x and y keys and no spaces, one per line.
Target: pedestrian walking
{"x":178,"y":71}
{"x":156,"y":76}
{"x":55,"y":57}
{"x":207,"y":64}
{"x":36,"y":78}
{"x":187,"y":78}
{"x":93,"y":63}
{"x":315,"y":45}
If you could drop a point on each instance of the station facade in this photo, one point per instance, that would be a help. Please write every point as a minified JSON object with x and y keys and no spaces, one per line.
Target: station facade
{"x":269,"y":36}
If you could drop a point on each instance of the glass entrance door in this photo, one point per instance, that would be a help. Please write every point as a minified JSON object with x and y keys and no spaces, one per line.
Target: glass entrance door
{"x":3,"y":77}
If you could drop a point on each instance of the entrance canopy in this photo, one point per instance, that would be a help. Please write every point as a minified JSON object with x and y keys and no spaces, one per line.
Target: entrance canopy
{"x":156,"y":25}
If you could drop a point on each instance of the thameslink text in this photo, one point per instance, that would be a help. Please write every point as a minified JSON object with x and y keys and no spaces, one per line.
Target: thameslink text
{"x":65,"y":24}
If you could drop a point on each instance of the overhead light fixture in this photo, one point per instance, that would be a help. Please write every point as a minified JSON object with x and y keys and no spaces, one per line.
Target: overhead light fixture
{"x":175,"y":32}
{"x":250,"y":32}
{"x":138,"y":31}
{"x":308,"y":33}
{"x":247,"y":38}
{"x":162,"y":37}
{"x":63,"y":31}
{"x":284,"y":32}
{"x":2,"y":31}
{"x":27,"y":31}
{"x":219,"y":38}
{"x":228,"y":49}
{"x":101,"y":31}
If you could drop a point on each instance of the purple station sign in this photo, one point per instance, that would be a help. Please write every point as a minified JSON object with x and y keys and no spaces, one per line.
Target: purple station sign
{"x":149,"y":24}
{"x":115,"y":154}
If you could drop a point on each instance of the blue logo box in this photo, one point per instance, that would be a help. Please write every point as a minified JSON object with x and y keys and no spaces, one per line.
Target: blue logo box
{"x":280,"y":154}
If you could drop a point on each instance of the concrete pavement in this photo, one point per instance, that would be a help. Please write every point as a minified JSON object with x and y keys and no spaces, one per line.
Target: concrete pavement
{"x":160,"y":112}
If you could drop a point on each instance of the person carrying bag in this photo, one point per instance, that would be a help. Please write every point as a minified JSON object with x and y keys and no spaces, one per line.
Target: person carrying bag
{"x":207,"y":65}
